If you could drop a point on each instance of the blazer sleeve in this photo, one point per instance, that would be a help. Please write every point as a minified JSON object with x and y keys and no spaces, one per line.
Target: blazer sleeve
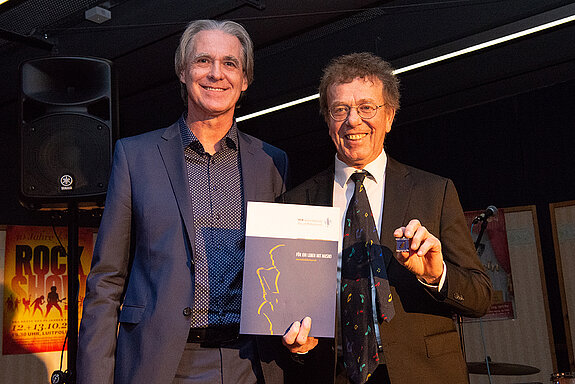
{"x":468,"y":286}
{"x":107,"y":278}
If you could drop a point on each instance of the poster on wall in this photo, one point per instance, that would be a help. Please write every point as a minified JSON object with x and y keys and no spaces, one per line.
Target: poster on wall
{"x":493,"y":251}
{"x":36,"y":295}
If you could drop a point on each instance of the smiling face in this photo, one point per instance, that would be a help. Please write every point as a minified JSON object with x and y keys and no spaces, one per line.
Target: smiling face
{"x":213,"y":75}
{"x":359,"y":141}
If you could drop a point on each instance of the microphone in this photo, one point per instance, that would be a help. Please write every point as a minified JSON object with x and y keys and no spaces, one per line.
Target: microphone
{"x":486,"y":215}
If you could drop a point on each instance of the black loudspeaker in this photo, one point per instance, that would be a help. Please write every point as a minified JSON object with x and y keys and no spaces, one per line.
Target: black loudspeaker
{"x":67,"y":131}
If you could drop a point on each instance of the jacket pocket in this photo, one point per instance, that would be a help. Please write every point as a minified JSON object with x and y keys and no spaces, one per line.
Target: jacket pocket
{"x":131,"y":314}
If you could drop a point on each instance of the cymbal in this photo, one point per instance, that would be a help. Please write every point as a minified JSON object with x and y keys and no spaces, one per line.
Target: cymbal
{"x":480,"y":368}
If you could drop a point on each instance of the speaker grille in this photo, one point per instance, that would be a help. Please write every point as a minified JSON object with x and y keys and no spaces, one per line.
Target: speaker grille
{"x":63,"y":148}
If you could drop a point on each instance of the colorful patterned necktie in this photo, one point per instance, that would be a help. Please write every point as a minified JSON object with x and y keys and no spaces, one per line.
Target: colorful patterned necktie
{"x":361,"y":252}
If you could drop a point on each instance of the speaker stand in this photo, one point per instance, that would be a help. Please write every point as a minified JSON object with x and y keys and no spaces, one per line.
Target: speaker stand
{"x":73,"y":287}
{"x":69,"y":375}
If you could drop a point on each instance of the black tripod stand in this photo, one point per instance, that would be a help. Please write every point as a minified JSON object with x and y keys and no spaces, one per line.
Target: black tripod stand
{"x":69,"y":375}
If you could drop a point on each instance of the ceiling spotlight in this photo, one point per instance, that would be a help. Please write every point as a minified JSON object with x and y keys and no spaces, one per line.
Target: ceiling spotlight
{"x":98,"y":15}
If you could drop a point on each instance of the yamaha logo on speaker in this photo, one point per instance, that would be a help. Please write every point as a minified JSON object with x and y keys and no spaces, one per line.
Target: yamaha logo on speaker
{"x":66,"y":182}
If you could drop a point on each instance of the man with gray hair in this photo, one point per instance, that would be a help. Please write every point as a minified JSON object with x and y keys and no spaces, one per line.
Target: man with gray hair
{"x":163,"y":295}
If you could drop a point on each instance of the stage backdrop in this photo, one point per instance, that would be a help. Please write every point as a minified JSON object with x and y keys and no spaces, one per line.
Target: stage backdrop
{"x":526,"y":338}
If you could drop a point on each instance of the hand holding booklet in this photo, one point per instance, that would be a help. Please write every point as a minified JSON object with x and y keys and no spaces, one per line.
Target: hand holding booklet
{"x":290,"y":268}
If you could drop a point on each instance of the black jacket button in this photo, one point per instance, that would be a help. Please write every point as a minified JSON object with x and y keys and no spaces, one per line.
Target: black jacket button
{"x":187,"y":311}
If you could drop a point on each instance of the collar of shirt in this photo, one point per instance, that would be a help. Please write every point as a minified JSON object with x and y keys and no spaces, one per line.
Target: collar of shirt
{"x":374,"y":185}
{"x":375,"y":170}
{"x":230,"y":140}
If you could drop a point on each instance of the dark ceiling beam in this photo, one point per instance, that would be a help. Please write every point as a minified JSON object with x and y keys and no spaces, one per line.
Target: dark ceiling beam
{"x":259,"y":4}
{"x":41,"y":42}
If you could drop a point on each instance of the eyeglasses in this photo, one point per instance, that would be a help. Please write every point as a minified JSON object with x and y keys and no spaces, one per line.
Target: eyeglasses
{"x":365,"y":111}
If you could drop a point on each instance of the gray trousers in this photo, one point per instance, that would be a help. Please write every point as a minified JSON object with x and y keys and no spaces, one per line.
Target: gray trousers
{"x":234,"y":363}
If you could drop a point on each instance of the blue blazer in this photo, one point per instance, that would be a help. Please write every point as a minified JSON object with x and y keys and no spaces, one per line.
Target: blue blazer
{"x":133,"y":329}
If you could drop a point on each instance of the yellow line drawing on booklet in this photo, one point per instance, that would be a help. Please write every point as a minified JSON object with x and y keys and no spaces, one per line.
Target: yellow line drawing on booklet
{"x":271,"y":291}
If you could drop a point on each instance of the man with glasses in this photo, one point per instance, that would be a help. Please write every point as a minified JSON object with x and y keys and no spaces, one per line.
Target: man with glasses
{"x":407,"y":264}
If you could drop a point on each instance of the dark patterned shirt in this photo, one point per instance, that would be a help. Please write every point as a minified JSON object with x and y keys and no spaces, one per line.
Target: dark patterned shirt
{"x":215,"y":186}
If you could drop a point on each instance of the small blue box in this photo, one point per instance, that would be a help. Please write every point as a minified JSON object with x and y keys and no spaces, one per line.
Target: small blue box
{"x":402,"y":244}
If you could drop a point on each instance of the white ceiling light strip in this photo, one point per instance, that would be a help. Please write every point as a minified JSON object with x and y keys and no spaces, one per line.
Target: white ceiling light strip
{"x":487,"y":44}
{"x":278,"y":107}
{"x":424,"y":63}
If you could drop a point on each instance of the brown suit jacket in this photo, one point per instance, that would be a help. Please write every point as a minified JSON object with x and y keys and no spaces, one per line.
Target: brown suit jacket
{"x":421,"y":343}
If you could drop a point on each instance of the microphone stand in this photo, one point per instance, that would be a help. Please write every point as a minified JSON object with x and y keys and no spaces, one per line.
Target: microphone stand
{"x":481,"y":231}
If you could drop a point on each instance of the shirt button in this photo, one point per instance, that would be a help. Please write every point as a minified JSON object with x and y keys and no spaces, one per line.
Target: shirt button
{"x":187,"y":311}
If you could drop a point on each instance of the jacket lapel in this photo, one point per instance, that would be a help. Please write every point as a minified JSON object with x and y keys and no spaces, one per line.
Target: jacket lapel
{"x":172,"y":154}
{"x":320,"y":191}
{"x":397,"y":195}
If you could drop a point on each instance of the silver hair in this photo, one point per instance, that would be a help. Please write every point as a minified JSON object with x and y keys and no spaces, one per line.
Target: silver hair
{"x":230,"y":27}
